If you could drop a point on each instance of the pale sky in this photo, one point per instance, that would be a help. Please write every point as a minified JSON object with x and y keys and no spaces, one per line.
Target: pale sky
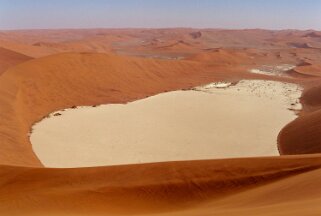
{"x":237,"y":14}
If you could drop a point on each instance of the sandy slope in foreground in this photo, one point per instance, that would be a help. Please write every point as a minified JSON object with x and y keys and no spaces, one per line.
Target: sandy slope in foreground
{"x":260,"y":186}
{"x":175,"y":126}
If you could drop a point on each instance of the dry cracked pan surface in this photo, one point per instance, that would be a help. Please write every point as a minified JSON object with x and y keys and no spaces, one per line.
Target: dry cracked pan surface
{"x":41,"y":74}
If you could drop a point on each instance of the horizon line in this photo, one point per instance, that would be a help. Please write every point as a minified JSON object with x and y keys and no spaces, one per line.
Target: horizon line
{"x":155,"y":28}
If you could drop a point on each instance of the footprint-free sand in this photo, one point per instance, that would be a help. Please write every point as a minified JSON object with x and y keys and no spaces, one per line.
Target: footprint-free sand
{"x":207,"y":122}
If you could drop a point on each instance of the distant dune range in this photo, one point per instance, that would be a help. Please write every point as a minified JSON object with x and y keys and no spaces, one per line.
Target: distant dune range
{"x":80,"y":67}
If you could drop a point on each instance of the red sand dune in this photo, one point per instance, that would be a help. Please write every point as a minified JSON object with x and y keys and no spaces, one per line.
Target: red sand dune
{"x":285,"y":185}
{"x":10,"y":58}
{"x":302,"y":136}
{"x":26,"y":49}
{"x":239,"y":186}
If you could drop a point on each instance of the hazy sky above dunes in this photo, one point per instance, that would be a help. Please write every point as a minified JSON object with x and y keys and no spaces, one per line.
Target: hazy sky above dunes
{"x":268,"y":14}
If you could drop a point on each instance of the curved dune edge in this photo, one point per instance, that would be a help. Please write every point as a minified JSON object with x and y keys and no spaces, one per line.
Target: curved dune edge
{"x":191,"y":187}
{"x":302,"y":136}
{"x":33,"y":89}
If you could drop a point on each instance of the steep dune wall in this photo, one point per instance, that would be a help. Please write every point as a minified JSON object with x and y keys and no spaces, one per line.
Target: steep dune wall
{"x":312,"y":98}
{"x":303,"y":135}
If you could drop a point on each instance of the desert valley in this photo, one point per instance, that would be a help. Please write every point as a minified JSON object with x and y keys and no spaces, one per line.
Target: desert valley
{"x":168,"y":121}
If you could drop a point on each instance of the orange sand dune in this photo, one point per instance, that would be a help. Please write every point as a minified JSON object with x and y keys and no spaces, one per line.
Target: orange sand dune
{"x":132,"y":41}
{"x":312,"y":97}
{"x":285,"y":185}
{"x":226,"y":57}
{"x":175,"y":188}
{"x":302,"y":136}
{"x":9,"y":58}
{"x":312,"y":69}
{"x":26,"y":49}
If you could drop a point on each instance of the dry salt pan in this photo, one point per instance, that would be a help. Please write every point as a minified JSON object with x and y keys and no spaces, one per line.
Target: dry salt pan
{"x":241,"y":120}
{"x":271,"y":70}
{"x":214,"y":85}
